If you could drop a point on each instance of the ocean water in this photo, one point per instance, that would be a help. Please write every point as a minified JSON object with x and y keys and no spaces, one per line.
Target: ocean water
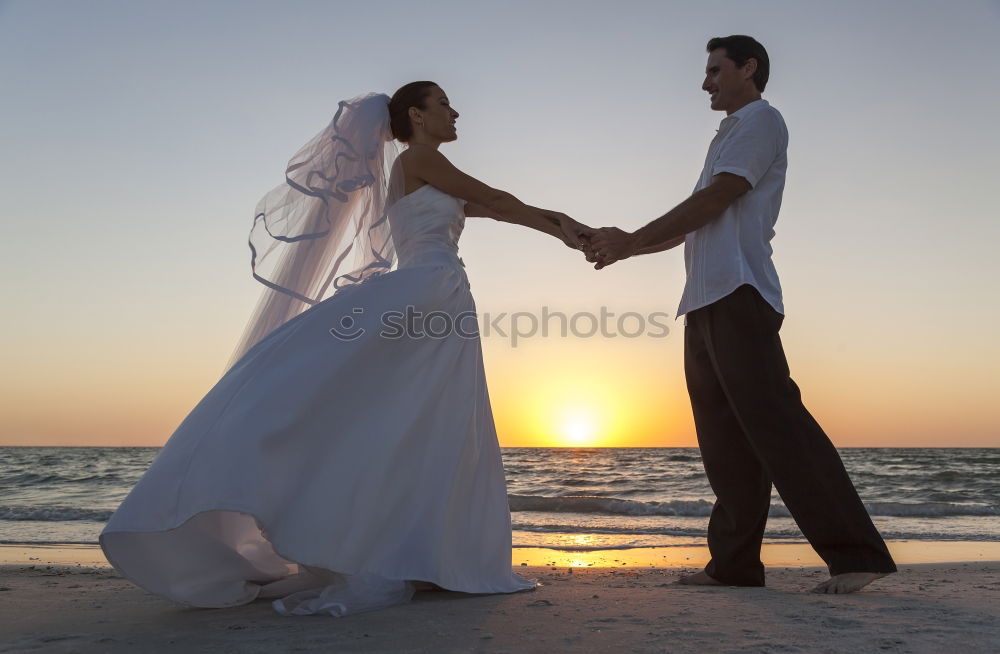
{"x":564,"y":498}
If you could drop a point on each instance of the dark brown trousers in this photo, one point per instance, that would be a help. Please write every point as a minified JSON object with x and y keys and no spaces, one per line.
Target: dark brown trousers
{"x":753,"y":430}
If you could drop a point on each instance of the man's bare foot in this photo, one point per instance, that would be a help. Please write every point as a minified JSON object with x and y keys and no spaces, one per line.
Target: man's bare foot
{"x":699,"y":579}
{"x":848,"y":582}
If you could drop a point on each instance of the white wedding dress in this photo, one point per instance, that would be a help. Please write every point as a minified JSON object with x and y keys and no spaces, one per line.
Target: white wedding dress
{"x":330,"y":473}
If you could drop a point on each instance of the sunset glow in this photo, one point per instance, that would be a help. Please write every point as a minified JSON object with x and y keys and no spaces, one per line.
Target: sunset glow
{"x":579,"y":427}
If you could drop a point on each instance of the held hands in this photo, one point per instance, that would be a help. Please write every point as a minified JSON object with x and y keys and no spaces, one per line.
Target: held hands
{"x":607,"y":245}
{"x":602,"y":246}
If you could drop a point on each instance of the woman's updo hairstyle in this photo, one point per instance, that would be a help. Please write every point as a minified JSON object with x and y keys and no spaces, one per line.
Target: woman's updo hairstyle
{"x":413,"y":94}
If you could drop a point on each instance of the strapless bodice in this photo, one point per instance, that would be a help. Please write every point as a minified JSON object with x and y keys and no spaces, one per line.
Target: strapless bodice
{"x":426,"y":225}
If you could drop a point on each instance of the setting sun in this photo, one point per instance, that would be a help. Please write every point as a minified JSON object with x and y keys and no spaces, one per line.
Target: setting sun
{"x":578,"y":428}
{"x":553,"y":397}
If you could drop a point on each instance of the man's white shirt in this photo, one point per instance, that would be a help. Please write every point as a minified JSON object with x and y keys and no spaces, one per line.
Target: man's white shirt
{"x":735,"y":249}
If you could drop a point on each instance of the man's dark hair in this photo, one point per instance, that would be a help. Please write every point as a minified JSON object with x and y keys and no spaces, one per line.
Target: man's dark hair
{"x":740,"y":48}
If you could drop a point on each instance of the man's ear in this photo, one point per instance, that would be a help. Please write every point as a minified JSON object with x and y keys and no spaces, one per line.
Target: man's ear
{"x":750,"y":66}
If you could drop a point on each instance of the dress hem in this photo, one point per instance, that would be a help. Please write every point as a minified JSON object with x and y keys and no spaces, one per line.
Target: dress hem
{"x":344,"y":570}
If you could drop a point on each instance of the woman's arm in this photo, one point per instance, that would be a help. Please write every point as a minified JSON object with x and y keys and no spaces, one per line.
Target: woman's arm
{"x":429,"y":165}
{"x":552,"y":224}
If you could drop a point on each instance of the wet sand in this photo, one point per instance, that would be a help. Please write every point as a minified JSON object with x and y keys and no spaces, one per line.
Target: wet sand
{"x":611,"y":601}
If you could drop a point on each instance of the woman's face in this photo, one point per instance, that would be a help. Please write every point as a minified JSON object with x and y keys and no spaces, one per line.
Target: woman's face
{"x":438,"y":118}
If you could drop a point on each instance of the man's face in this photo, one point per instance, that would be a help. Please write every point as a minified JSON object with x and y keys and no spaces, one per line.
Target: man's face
{"x":724,"y":82}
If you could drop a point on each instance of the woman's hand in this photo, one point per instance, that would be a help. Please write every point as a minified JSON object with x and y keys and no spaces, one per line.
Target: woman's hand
{"x":571,"y":232}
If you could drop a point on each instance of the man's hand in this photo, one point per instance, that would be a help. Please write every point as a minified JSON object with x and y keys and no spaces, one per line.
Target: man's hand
{"x":608,"y":245}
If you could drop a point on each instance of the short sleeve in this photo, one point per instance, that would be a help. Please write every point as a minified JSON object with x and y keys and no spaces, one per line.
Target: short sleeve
{"x":751,"y":148}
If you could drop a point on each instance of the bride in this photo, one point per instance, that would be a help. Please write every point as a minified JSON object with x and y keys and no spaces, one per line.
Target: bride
{"x":341,"y":463}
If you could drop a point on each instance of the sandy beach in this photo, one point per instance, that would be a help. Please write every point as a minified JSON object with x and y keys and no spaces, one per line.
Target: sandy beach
{"x":614,"y":603}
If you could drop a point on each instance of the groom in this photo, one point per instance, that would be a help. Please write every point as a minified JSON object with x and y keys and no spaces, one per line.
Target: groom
{"x":753,"y":429}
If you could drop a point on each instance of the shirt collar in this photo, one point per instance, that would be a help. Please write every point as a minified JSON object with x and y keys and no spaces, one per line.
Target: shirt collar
{"x":745,"y":110}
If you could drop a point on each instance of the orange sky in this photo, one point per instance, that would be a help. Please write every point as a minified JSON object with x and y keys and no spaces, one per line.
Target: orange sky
{"x":546,"y":392}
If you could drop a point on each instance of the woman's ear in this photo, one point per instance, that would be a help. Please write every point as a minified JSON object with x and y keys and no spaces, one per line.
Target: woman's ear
{"x":414,"y":114}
